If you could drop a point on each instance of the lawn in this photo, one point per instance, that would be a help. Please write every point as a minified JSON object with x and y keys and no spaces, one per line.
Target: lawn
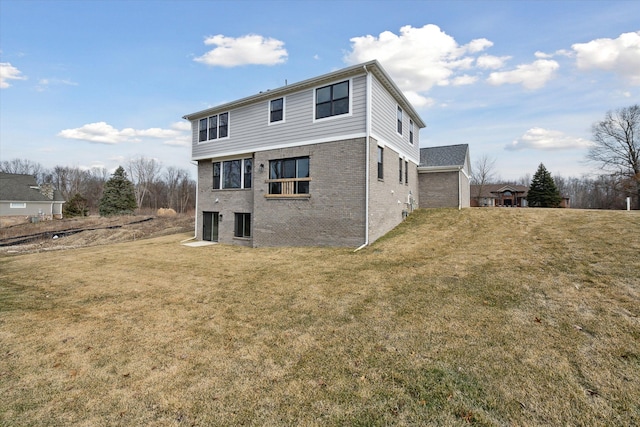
{"x":481,"y":316}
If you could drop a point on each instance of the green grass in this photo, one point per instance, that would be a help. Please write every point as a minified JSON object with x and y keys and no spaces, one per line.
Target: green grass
{"x":482,"y":316}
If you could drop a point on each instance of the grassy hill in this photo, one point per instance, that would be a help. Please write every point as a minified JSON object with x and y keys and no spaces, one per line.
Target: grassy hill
{"x":481,"y":316}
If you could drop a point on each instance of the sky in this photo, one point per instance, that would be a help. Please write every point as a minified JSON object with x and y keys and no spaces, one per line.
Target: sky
{"x":98,"y":83}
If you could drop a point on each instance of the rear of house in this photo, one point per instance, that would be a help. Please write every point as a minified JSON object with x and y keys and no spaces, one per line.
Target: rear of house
{"x":329,"y":161}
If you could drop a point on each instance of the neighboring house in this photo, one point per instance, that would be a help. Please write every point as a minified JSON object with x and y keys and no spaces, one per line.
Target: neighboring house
{"x":504,"y":195}
{"x":329,"y":161}
{"x":499,"y":195}
{"x":443,"y":176}
{"x":21,"y":195}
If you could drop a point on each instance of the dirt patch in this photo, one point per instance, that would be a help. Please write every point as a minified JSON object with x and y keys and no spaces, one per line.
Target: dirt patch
{"x":90,"y":231}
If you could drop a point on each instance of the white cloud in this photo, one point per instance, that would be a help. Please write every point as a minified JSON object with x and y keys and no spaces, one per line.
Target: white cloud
{"x":9,"y":72}
{"x":104,"y":133}
{"x":44,"y":84}
{"x":417,"y":58}
{"x":418,"y":100}
{"x":544,"y":139}
{"x":621,"y":55}
{"x":491,"y":62}
{"x":249,"y":49}
{"x":531,"y":76}
{"x":464,"y":80}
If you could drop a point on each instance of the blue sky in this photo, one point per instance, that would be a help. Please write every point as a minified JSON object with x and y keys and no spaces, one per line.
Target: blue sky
{"x":96,"y":83}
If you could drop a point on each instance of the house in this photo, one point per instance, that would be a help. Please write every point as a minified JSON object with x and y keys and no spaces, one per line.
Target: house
{"x":504,"y":195}
{"x":329,"y":161}
{"x":443,"y":176}
{"x":499,"y":195}
{"x":20,"y":195}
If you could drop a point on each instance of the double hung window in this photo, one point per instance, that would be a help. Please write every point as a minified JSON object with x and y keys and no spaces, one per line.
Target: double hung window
{"x":332,"y":100}
{"x":380,"y":163}
{"x":289,"y":176}
{"x":276,"y":110}
{"x":399,"y":127}
{"x":232,"y":174}
{"x":406,"y":172}
{"x":213,"y":127}
{"x":411,"y":131}
{"x":400,"y":169}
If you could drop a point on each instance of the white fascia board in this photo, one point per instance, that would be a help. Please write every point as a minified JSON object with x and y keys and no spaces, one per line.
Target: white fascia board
{"x":430,"y":169}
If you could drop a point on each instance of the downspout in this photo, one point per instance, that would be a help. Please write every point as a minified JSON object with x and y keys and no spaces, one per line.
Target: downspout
{"x":195,"y":229}
{"x":459,"y":190}
{"x":367,"y":160}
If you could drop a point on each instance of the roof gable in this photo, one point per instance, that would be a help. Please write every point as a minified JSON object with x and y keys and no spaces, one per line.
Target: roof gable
{"x":447,"y":155}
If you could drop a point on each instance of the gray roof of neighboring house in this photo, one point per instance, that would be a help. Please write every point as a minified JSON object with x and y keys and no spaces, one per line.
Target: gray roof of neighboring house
{"x":23,"y":188}
{"x":447,"y":155}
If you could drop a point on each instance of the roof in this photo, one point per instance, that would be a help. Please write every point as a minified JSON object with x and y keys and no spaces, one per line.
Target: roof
{"x":372,"y":66}
{"x":446,"y":155}
{"x":23,"y":188}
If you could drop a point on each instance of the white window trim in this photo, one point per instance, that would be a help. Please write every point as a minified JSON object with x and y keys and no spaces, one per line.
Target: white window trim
{"x":339,"y":116}
{"x":411,"y":132}
{"x":242,"y":159}
{"x":284,"y":111}
{"x":18,"y":205}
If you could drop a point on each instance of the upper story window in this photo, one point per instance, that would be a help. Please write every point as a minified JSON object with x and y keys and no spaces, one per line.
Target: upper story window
{"x":332,"y":100}
{"x":411,"y":131}
{"x":232,"y":174}
{"x":276,"y":110}
{"x":380,"y":163}
{"x":289,"y":177}
{"x":399,"y":115}
{"x":213,"y":127}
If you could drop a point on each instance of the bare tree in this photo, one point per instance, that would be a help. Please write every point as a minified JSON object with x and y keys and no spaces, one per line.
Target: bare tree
{"x":24,"y":167}
{"x":143,"y":173}
{"x":483,"y":173}
{"x":617,"y":146}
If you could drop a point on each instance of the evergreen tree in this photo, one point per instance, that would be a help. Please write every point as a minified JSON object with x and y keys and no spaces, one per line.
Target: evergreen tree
{"x":119,"y":196}
{"x":76,"y":206}
{"x":543,"y":192}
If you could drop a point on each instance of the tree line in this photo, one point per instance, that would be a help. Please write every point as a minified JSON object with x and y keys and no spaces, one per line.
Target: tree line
{"x":155,"y":186}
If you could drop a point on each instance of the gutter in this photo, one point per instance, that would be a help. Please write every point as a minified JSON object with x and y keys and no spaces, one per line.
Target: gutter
{"x":367,"y":160}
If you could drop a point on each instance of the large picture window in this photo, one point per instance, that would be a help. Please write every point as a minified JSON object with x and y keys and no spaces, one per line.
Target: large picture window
{"x":232,"y":174}
{"x":332,"y":100}
{"x":213,"y":127}
{"x":289,"y":176}
{"x":242,"y":225}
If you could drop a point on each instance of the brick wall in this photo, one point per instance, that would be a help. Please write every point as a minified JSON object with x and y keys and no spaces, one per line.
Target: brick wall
{"x":388,"y":197}
{"x":333,"y":215}
{"x":439,"y":190}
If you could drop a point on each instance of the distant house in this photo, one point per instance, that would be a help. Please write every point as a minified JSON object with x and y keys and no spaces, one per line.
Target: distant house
{"x":20,"y":195}
{"x":443,"y":176}
{"x":504,"y":195}
{"x":329,"y":161}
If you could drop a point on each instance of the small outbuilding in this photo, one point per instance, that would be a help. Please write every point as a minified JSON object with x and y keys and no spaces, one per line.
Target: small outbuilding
{"x":444,"y":177}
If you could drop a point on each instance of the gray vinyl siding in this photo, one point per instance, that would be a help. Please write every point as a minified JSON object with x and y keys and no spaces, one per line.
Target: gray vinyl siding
{"x":384,"y":108}
{"x":249,"y":130}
